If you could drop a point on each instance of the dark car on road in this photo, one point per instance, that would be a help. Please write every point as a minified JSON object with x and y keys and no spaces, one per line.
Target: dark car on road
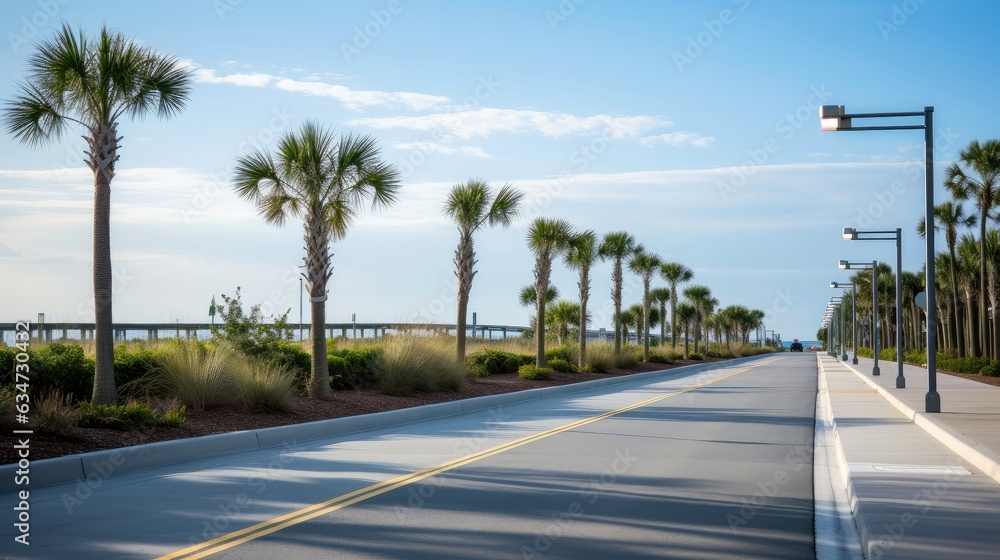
{"x":796,"y":346}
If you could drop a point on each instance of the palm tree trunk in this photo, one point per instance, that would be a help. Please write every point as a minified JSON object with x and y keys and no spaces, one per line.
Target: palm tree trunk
{"x":465,"y":261}
{"x":616,"y":297}
{"x":543,"y":267}
{"x":959,"y":342}
{"x":983,"y":344}
{"x":673,"y":318}
{"x":663,"y":324}
{"x":584,"y":286}
{"x":103,"y":156}
{"x":104,"y":345}
{"x":318,"y":271}
{"x":685,"y":340}
{"x":645,"y":319}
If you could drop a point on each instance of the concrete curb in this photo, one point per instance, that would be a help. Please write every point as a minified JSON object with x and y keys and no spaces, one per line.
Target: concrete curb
{"x":983,"y":459}
{"x":850,"y":517}
{"x":103,"y":464}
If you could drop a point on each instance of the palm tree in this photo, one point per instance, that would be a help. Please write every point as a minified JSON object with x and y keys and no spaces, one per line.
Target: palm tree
{"x":675,"y":273}
{"x":645,"y":265}
{"x":979,"y":183}
{"x":661,"y":296}
{"x":92,"y":83}
{"x":581,"y":256}
{"x":700,"y":297}
{"x":324,"y":180}
{"x":547,"y":238}
{"x":526,"y":297}
{"x":471,"y":205}
{"x":616,"y":247}
{"x":630,"y":317}
{"x":967,"y":252}
{"x":563,"y":315}
{"x":686,"y":312}
{"x":950,"y":216}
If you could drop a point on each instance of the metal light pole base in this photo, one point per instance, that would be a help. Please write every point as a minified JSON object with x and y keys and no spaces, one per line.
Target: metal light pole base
{"x":900,"y":382}
{"x":844,"y":359}
{"x":932,"y":402}
{"x":876,"y":371}
{"x":855,"y":360}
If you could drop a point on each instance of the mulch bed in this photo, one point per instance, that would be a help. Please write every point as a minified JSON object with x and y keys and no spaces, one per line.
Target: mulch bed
{"x":303,"y":409}
{"x":975,"y":377}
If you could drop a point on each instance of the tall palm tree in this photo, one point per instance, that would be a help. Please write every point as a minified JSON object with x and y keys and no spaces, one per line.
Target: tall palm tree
{"x":975,"y":176}
{"x":580,"y":256}
{"x":95,"y":83}
{"x":950,"y":216}
{"x":675,"y":273}
{"x":967,"y":252}
{"x":700,"y":297}
{"x":660,"y":296}
{"x":547,"y":238}
{"x":686,"y":312}
{"x":616,"y":247}
{"x":471,"y":205}
{"x":324,"y":180}
{"x":645,"y":265}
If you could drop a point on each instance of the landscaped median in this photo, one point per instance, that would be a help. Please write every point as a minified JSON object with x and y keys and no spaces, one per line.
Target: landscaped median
{"x":95,"y":466}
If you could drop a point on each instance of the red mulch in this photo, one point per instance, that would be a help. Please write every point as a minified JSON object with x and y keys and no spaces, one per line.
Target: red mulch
{"x":975,"y":377}
{"x":303,"y":409}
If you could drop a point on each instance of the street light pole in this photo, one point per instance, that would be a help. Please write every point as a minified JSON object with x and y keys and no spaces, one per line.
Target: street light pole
{"x":875,"y":370}
{"x":834,"y":117}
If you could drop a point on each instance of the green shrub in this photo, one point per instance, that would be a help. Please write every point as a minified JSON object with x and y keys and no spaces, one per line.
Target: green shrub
{"x":563,"y":352}
{"x":132,"y":365}
{"x":263,"y":386}
{"x":491,"y":362}
{"x":250,"y":334}
{"x":659,"y":356}
{"x":887,"y":354}
{"x":52,"y":367}
{"x":201,"y":379}
{"x":414,"y":364}
{"x":695,"y":356}
{"x":918,"y":357}
{"x":963,"y":365}
{"x":130,"y":416}
{"x":991,"y":369}
{"x":865,"y":352}
{"x":295,"y":361}
{"x":360,"y":367}
{"x":532,"y":372}
{"x":55,"y":413}
{"x":562,"y":366}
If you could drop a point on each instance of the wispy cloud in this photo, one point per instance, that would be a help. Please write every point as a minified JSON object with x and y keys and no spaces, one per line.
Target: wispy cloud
{"x":679,"y":139}
{"x":435,"y":148}
{"x":483,"y":122}
{"x":349,"y":97}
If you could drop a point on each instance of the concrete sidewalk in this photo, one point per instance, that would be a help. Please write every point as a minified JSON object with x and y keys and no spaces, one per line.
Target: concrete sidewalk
{"x":911,"y":495}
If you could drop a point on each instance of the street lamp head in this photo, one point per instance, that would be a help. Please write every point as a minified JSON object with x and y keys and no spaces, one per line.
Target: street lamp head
{"x":831,"y":117}
{"x":844,"y":265}
{"x":850,"y":234}
{"x":833,"y":284}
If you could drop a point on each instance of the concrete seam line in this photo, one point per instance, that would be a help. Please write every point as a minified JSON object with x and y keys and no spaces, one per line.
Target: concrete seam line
{"x":986,"y":461}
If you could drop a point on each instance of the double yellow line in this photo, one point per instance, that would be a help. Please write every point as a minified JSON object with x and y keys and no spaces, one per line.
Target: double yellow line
{"x":305,"y":514}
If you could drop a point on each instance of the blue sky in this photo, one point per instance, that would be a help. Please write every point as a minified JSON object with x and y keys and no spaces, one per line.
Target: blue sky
{"x":692,"y":125}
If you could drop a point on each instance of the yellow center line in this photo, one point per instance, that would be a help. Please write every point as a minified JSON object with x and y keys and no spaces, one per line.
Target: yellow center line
{"x":264,"y":528}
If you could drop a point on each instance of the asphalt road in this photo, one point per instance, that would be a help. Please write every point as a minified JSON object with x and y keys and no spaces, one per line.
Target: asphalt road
{"x":647,"y":470}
